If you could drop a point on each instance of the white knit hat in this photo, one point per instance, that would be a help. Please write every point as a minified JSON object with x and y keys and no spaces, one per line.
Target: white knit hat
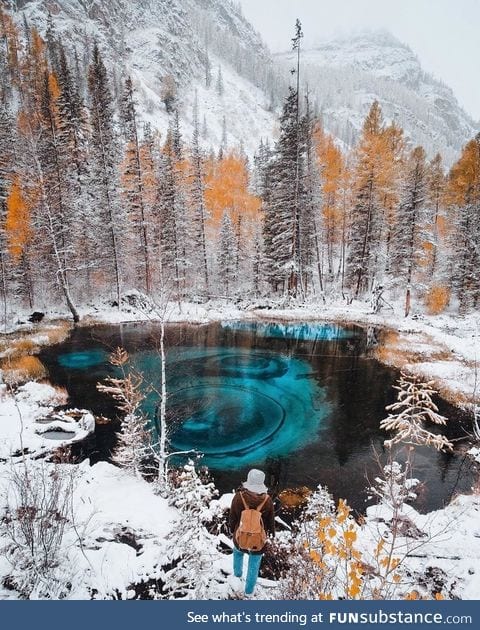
{"x":255,"y":481}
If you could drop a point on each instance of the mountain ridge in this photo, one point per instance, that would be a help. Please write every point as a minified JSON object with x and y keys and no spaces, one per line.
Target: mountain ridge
{"x":346,"y":74}
{"x":151,"y":40}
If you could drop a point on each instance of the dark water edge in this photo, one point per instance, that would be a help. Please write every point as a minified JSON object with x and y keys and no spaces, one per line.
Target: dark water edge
{"x":327,"y":434}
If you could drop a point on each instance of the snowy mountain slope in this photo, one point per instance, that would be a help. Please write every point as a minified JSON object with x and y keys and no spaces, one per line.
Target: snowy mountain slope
{"x":346,"y":75}
{"x":155,"y":39}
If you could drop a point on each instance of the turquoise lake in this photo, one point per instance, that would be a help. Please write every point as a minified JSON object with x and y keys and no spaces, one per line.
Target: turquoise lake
{"x":302,"y":401}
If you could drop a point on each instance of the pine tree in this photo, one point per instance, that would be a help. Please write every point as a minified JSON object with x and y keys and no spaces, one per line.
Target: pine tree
{"x":73,"y":133}
{"x":227,"y":255}
{"x":208,"y":70}
{"x":282,"y":253}
{"x":72,"y":120}
{"x":367,"y":216}
{"x":198,"y":200}
{"x":190,"y":546}
{"x":133,"y":183}
{"x":296,"y":273}
{"x":436,"y":185}
{"x":6,"y":171}
{"x":167,"y":208}
{"x":219,"y":83}
{"x":104,"y":153}
{"x":53,"y":45}
{"x":309,"y":205}
{"x":410,"y":223}
{"x":464,"y":190}
{"x":54,"y":219}
{"x":223,"y":141}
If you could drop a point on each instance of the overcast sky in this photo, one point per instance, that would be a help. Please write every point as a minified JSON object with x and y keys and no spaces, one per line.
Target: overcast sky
{"x":445,"y":34}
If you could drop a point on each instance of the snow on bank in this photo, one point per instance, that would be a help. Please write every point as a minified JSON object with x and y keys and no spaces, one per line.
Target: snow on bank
{"x":117,"y":545}
{"x":27,"y":422}
{"x":443,"y":547}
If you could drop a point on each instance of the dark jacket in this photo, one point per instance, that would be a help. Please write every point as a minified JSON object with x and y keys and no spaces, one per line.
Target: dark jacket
{"x":252,"y":499}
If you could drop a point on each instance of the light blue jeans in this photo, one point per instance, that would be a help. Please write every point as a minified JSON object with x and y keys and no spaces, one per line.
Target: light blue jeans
{"x":254,"y":561}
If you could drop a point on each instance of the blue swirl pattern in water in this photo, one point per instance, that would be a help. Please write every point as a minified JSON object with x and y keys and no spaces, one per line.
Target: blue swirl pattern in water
{"x":83,"y":359}
{"x":237,"y":407}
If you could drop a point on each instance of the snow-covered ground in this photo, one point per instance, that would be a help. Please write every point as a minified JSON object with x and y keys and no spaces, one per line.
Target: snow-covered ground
{"x":28,"y":423}
{"x":124,"y":525}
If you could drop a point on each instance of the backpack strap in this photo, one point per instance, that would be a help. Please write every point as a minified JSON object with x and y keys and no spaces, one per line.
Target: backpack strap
{"x":259,"y":507}
{"x":244,"y":502}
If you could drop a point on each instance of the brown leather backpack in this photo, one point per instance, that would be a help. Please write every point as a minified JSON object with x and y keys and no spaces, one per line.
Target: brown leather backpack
{"x":250,"y":534}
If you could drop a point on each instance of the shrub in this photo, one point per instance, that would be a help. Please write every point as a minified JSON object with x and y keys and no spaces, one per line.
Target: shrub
{"x":437,"y":299}
{"x":36,"y":519}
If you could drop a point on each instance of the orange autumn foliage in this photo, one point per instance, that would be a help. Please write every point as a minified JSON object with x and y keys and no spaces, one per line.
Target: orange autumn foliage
{"x":17,"y":224}
{"x":331,"y":164}
{"x":226,"y":189}
{"x":53,"y":87}
{"x":437,"y":299}
{"x":464,"y":179}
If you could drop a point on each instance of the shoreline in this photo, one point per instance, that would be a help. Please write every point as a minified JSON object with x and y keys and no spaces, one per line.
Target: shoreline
{"x":444,"y":348}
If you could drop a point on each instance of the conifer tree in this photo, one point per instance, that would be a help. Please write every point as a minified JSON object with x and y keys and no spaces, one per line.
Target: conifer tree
{"x":166,"y":210}
{"x":133,"y":183}
{"x":53,"y":45}
{"x":208,"y":70}
{"x":6,"y":171}
{"x":464,"y":190}
{"x":227,"y":255}
{"x":198,"y":200}
{"x":410,"y":223}
{"x":54,"y":219}
{"x":219,"y":83}
{"x":190,"y":546}
{"x":104,"y":154}
{"x":435,"y":198}
{"x":367,"y":217}
{"x":309,"y":205}
{"x":281,"y":223}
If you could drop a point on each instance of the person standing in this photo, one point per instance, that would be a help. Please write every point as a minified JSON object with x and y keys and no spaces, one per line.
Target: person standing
{"x":252,"y":519}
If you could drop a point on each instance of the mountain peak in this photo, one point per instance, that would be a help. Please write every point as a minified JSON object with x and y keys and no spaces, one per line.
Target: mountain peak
{"x":381,"y":37}
{"x":346,"y":74}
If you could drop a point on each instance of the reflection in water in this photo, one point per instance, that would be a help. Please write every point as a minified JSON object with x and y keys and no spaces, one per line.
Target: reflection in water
{"x":302,"y":401}
{"x":310,"y":331}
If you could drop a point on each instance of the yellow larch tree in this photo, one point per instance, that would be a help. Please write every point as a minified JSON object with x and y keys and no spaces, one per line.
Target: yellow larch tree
{"x":226,"y":190}
{"x":17,"y":223}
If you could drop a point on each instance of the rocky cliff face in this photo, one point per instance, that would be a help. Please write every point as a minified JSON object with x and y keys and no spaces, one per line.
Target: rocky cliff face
{"x":154,"y":39}
{"x":346,"y":75}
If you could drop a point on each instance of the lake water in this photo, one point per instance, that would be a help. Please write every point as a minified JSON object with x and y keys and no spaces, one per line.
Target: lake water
{"x":301,"y":401}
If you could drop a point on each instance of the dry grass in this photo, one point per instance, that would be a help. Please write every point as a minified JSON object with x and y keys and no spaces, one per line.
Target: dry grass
{"x":397,"y":350}
{"x":59,"y":333}
{"x":294,"y":497}
{"x":30,"y":343}
{"x":18,"y":370}
{"x":23,"y":346}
